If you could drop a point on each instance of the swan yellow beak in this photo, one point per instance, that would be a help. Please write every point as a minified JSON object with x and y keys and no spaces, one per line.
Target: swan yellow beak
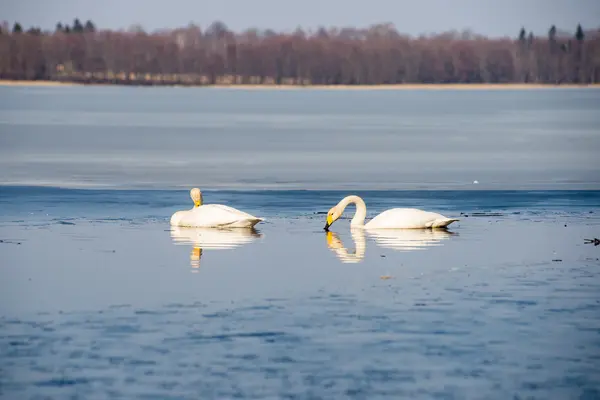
{"x":197,"y":203}
{"x":328,"y":223}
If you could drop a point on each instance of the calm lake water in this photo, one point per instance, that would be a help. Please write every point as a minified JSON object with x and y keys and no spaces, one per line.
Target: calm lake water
{"x":100,"y":298}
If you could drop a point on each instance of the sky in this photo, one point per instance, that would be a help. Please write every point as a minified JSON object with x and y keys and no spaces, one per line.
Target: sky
{"x":487,"y":17}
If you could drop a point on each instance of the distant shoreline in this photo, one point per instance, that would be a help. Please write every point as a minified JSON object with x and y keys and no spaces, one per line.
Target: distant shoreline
{"x":411,"y":187}
{"x":407,"y":86}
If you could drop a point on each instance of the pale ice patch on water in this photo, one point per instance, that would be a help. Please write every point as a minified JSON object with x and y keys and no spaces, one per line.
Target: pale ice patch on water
{"x":300,"y":139}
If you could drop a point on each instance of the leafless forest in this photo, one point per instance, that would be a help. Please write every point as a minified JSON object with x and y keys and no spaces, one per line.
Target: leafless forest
{"x":80,"y":52}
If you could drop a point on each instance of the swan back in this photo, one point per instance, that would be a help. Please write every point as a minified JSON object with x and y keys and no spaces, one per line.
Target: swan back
{"x":408,"y":218}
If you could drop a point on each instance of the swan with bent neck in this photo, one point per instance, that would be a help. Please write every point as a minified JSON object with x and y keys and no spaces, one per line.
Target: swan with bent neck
{"x":394,"y":218}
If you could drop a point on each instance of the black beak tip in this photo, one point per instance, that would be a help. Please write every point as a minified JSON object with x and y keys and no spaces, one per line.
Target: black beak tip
{"x":326,"y":227}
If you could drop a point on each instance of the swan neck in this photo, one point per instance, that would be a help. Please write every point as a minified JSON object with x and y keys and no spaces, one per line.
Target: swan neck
{"x":361,"y":210}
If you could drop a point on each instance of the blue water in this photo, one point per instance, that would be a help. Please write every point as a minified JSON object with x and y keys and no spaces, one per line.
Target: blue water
{"x":160,"y":204}
{"x":101,"y":299}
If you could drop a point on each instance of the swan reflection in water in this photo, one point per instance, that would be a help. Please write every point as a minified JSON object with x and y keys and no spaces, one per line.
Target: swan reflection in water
{"x":211,"y":239}
{"x":394,"y":239}
{"x":360,"y":244}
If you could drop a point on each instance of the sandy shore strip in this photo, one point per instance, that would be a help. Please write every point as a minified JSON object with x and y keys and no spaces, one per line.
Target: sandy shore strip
{"x":415,"y":86}
{"x":35,"y":83}
{"x":407,"y":86}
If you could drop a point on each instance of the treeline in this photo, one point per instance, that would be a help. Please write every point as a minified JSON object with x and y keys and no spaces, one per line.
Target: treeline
{"x":377,"y":55}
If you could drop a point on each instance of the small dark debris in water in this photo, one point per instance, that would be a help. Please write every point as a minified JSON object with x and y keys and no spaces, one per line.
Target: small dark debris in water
{"x":591,"y":212}
{"x":106,"y":251}
{"x":485,"y":214}
{"x":382,"y":255}
{"x":565,"y":225}
{"x":9,"y":242}
{"x":557,"y":260}
{"x":65,"y":223}
{"x":594,"y":241}
{"x":420,"y":304}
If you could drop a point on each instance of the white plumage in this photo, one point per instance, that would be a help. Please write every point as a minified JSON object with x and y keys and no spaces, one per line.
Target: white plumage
{"x":395,"y":218}
{"x":212,"y":215}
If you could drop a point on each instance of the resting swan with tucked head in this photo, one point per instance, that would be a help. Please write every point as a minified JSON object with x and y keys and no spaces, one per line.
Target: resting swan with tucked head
{"x":212,"y":215}
{"x":395,"y":218}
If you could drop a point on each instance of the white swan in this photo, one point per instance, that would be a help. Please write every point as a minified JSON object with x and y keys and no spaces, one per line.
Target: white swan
{"x":212,"y":215}
{"x":395,"y":218}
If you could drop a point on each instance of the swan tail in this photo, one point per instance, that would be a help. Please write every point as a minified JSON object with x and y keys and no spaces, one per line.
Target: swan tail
{"x":255,"y":221}
{"x":443,"y":222}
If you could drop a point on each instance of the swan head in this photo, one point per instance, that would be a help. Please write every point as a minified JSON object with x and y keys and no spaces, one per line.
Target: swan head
{"x":196,"y":196}
{"x":332,"y":215}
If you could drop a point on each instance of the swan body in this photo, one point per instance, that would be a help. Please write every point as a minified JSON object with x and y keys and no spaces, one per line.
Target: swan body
{"x":212,"y":215}
{"x":395,"y":218}
{"x":408,"y":218}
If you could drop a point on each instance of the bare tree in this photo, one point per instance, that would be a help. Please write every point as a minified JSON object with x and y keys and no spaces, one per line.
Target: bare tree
{"x":350,"y":56}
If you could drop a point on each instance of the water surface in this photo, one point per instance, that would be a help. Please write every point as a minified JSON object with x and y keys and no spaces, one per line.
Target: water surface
{"x":102,"y":299}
